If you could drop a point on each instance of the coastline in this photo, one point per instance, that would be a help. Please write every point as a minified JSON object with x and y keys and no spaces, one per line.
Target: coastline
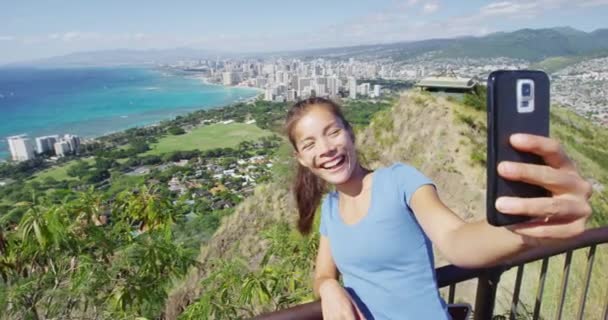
{"x":205,"y":80}
{"x":94,"y":128}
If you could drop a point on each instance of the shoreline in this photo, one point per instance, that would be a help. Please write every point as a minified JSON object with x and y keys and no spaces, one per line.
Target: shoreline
{"x":205,"y":80}
{"x":5,"y":155}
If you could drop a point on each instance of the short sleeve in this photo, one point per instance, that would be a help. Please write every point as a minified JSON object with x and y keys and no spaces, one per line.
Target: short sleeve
{"x":323,"y":217}
{"x":408,"y":179}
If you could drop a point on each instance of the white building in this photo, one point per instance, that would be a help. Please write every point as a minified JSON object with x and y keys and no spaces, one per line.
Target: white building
{"x":62,"y":148}
{"x":377,"y":88}
{"x":363,"y":89}
{"x":352,"y":87}
{"x":260,"y":82}
{"x":230,"y":78}
{"x":333,"y":85}
{"x":46,"y":143}
{"x":73,"y":141}
{"x":291,"y":95}
{"x":21,"y":148}
{"x":302,"y":84}
{"x":268,"y":94}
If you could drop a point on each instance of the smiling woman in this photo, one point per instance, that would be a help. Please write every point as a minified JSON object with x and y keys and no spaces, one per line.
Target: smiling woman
{"x":378,"y":227}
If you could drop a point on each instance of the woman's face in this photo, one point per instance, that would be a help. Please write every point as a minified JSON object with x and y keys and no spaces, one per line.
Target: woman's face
{"x":324,"y":145}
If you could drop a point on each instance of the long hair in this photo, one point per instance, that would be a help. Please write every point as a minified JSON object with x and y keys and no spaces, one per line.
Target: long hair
{"x":308,"y":189}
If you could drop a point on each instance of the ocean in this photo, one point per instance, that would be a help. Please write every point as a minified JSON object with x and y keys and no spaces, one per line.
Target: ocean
{"x":91,"y":102}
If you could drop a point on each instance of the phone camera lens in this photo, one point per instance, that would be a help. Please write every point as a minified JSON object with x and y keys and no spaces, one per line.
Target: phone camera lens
{"x":526,"y":90}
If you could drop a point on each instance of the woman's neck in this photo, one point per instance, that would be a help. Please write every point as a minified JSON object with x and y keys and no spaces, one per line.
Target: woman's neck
{"x":354,"y":185}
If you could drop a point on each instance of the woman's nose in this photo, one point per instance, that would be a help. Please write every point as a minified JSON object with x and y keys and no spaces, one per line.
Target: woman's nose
{"x":325,"y":147}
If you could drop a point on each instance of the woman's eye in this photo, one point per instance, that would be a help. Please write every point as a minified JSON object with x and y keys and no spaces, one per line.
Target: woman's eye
{"x":335,"y":132}
{"x":307,"y":146}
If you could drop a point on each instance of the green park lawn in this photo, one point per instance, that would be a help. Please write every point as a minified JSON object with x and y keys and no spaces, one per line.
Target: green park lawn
{"x":59,"y":172}
{"x":202,"y":138}
{"x":208,"y":137}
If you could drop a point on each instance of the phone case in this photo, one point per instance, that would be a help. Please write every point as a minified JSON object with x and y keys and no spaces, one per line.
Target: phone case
{"x":504,"y":119}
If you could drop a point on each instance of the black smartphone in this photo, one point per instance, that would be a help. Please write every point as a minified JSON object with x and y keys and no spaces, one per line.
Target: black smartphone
{"x":518,"y":102}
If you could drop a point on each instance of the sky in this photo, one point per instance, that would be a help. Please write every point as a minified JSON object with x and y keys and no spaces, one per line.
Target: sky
{"x":43,"y":28}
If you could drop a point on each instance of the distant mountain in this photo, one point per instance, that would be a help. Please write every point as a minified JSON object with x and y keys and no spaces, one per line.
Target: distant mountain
{"x":529,"y":44}
{"x":122,"y":57}
{"x":533,"y":45}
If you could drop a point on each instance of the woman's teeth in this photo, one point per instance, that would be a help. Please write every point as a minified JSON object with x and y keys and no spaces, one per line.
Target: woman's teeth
{"x":334,"y":164}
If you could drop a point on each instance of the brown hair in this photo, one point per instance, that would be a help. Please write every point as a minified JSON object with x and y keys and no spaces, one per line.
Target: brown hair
{"x":308,"y":189}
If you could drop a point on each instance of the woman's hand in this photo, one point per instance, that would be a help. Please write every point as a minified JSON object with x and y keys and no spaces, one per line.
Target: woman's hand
{"x":336,"y":303}
{"x":562,"y":215}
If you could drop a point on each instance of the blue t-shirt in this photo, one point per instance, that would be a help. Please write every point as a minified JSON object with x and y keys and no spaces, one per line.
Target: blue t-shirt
{"x":385,"y":259}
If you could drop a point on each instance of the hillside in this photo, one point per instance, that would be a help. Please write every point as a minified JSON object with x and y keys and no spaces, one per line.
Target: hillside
{"x":528,"y":44}
{"x":243,"y":262}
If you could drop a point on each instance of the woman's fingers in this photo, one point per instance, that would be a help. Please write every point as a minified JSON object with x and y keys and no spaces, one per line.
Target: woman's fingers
{"x":557,"y":208}
{"x":549,"y":149}
{"x":555,"y":180}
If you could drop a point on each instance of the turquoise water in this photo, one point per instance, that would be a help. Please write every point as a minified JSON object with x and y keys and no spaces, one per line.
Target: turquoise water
{"x":91,"y":102}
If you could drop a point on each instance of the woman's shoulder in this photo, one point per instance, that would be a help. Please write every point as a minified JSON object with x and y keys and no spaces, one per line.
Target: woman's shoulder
{"x":399,"y":168}
{"x":328,"y":200}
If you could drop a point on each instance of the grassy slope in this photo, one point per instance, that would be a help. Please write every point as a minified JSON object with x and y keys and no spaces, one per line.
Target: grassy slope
{"x":60,"y":172}
{"x":585,"y":144}
{"x":440,"y":138}
{"x":209,"y":137}
{"x":202,"y":138}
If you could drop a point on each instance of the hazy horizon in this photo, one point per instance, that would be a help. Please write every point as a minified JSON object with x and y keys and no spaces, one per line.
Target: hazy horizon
{"x":34,"y":31}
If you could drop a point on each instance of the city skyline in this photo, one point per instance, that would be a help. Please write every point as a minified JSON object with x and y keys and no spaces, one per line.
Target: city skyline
{"x":40,"y":30}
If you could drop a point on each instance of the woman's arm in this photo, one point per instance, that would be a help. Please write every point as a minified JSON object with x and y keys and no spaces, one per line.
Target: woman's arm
{"x":479,"y":244}
{"x":325,"y":268}
{"x":336,"y":302}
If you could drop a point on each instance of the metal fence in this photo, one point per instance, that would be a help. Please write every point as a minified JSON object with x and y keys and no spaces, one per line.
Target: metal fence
{"x":488,"y":279}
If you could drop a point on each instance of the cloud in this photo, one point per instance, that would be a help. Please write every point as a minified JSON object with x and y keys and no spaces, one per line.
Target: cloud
{"x":430,"y":7}
{"x":593,"y":3}
{"x":506,"y":8}
{"x":403,"y":20}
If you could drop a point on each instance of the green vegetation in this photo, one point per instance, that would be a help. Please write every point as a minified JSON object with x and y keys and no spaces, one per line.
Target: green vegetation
{"x":60,"y":258}
{"x":208,"y":137}
{"x":528,"y":44}
{"x":59,"y":172}
{"x":67,"y":261}
{"x":553,"y":64}
{"x":360,"y":112}
{"x":234,"y":291}
{"x":586,"y":144}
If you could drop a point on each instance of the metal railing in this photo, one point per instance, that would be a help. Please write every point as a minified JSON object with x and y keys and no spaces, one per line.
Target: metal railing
{"x":488,"y":278}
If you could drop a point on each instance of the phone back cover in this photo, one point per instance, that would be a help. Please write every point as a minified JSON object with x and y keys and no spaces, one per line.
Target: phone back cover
{"x":505,"y":120}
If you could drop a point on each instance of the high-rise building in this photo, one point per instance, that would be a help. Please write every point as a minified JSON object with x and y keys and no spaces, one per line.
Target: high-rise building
{"x":268,"y":94}
{"x":352,"y":87}
{"x":333,"y":86}
{"x":21,"y":148}
{"x":377,"y":90}
{"x":62,"y":148}
{"x":260,"y":82}
{"x":363,"y":89}
{"x":291,"y":95}
{"x":280,"y":77}
{"x":302,"y":84}
{"x":294,"y":82}
{"x":46,"y":144}
{"x":320,"y":89}
{"x":74,"y":143}
{"x":230,"y":78}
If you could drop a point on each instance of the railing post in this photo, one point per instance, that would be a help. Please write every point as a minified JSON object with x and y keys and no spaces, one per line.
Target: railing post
{"x":485,"y":297}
